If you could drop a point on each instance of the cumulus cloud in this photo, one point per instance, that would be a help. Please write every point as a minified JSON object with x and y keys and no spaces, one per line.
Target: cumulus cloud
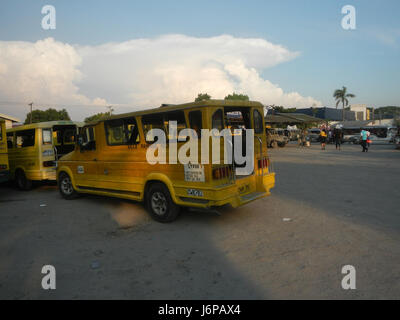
{"x":46,"y":70}
{"x":143,"y":72}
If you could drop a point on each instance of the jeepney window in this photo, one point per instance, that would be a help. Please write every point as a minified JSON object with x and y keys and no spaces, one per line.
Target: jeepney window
{"x":115,"y":132}
{"x":25,"y":138}
{"x":177,"y":116}
{"x":69,"y":136}
{"x":152,"y":121}
{"x":122,"y":131}
{"x":46,"y":136}
{"x":131,"y":131}
{"x":195,"y":122}
{"x":217,"y":120}
{"x":1,"y":132}
{"x":87,"y":142}
{"x":258,"y":122}
{"x":10,"y":140}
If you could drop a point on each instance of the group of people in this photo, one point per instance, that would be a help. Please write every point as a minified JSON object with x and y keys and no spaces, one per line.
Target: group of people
{"x":337,"y":136}
{"x":326,"y":135}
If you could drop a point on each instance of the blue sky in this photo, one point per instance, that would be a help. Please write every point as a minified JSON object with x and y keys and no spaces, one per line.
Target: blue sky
{"x":366,"y":60}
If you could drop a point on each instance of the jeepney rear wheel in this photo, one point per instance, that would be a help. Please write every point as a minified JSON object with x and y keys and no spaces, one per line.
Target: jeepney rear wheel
{"x":65,"y":186}
{"x":160,"y":204}
{"x":23,"y":183}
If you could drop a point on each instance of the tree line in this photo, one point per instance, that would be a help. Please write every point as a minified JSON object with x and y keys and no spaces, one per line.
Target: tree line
{"x":341,"y":96}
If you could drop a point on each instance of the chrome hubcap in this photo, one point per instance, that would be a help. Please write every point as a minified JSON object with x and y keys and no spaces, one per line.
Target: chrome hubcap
{"x":66,"y":186}
{"x":159,"y":203}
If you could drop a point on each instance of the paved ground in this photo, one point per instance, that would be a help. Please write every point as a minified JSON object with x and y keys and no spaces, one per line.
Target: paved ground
{"x":344,"y":209}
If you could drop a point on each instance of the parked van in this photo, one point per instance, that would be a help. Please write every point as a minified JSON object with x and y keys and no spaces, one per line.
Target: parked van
{"x":35,"y":148}
{"x":110,"y":159}
{"x":4,"y":168}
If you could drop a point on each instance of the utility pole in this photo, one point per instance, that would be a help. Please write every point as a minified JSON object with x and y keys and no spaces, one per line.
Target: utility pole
{"x":31,"y":104}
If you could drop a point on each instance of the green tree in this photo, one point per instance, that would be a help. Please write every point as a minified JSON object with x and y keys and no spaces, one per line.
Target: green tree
{"x":47,"y":115}
{"x":202,"y":97}
{"x":98,"y":116}
{"x":341,"y":96}
{"x":236,"y":96}
{"x":281,"y":109}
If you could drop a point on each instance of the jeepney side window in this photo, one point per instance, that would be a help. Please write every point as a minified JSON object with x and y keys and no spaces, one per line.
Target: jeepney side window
{"x":122,"y":132}
{"x":69,"y":136}
{"x":217,"y":120}
{"x":1,"y":132}
{"x":88,"y":141}
{"x":25,"y":138}
{"x":131,"y":131}
{"x":46,"y":136}
{"x":177,"y":116}
{"x":258,"y":122}
{"x":152,"y":121}
{"x":195,"y":121}
{"x":10,"y":140}
{"x":115,"y":132}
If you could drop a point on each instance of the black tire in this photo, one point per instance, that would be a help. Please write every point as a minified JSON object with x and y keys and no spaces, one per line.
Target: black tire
{"x":22,"y":182}
{"x":65,"y":186}
{"x":160,"y":204}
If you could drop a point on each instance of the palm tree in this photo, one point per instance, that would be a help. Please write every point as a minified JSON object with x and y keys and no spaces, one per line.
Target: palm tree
{"x":341,"y":95}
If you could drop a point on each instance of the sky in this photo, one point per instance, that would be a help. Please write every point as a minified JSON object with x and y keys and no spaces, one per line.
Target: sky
{"x":140,"y":54}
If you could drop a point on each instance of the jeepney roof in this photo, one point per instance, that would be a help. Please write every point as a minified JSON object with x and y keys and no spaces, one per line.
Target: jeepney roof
{"x":174,"y":107}
{"x":46,"y":124}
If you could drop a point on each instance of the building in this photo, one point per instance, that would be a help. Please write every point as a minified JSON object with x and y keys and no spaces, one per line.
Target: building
{"x":9,"y":120}
{"x":328,"y":114}
{"x":361,"y":112}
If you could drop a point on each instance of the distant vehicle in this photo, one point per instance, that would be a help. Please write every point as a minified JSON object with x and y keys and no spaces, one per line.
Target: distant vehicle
{"x":4,"y":168}
{"x":274,"y":139}
{"x":382,"y":134}
{"x":378,"y":134}
{"x":351,"y":135}
{"x":313,"y":134}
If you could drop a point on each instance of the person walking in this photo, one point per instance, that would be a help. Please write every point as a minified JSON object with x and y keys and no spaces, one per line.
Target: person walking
{"x":337,"y":135}
{"x":323,"y":136}
{"x":364,"y":137}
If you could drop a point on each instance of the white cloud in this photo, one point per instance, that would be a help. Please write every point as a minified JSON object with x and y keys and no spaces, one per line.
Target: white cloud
{"x":142,"y":72}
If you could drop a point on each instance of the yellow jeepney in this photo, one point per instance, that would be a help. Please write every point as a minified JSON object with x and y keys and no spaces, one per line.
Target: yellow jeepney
{"x":4,"y":168}
{"x":35,"y":148}
{"x":110,"y":159}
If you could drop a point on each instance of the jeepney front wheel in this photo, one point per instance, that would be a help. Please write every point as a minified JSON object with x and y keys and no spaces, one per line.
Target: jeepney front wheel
{"x":160,"y":204}
{"x":23,"y":183}
{"x":65,"y":186}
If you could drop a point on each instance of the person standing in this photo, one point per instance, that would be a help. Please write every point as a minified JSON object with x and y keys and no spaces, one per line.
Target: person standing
{"x":337,"y":135}
{"x":364,"y":137}
{"x":323,"y":137}
{"x":368,"y":139}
